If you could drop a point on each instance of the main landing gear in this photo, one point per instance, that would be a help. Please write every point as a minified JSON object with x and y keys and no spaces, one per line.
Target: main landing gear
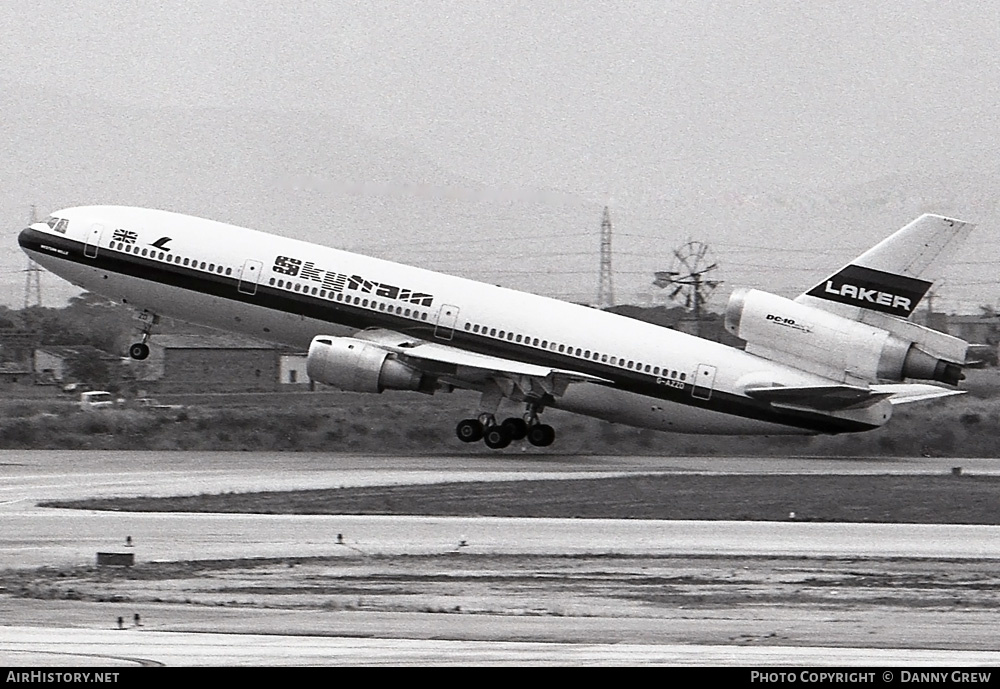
{"x":147,"y":319}
{"x":499,"y":435}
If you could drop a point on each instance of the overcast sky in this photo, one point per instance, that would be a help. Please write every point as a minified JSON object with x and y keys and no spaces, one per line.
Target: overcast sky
{"x":645,"y":104}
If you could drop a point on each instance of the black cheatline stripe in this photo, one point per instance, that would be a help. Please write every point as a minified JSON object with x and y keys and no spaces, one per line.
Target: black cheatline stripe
{"x":344,"y":314}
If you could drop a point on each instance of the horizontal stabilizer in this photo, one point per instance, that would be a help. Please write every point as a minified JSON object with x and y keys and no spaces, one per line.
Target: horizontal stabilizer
{"x":819,"y":397}
{"x":904,"y":393}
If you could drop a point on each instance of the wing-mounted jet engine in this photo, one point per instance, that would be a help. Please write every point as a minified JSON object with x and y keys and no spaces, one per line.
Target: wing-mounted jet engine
{"x":352,"y":364}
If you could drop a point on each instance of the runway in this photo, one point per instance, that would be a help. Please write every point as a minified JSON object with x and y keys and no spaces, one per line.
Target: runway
{"x":36,"y":537}
{"x":22,"y":646}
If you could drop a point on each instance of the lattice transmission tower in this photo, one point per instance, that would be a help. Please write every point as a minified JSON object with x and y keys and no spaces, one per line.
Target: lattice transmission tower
{"x":32,"y":275}
{"x":605,"y":286}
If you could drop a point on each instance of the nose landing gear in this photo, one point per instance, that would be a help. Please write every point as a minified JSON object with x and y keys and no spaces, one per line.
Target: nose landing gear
{"x":138,"y":350}
{"x":147,"y":319}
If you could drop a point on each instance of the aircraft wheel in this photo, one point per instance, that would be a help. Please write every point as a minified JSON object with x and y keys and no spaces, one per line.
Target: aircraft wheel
{"x":469,"y":430}
{"x":516,"y":428}
{"x":496,"y":437}
{"x":541,"y":435}
{"x":139,"y":351}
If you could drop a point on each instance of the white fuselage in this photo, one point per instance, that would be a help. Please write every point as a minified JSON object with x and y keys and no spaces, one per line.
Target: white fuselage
{"x":288,"y":291}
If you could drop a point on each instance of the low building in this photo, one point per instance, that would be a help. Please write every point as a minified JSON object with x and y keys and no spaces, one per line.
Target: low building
{"x":53,"y":363}
{"x":292,"y":370}
{"x":209,"y":363}
{"x":14,"y":373}
{"x":977,"y":329}
{"x":17,"y":348}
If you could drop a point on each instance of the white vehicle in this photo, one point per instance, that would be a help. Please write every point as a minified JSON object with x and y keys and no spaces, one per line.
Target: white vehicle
{"x":834,"y":360}
{"x":96,"y":399}
{"x":155,"y":405}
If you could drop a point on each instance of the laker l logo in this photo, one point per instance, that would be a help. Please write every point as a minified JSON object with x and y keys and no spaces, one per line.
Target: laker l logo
{"x":161,"y":243}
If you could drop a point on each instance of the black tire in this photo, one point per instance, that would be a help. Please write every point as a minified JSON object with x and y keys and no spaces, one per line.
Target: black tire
{"x":541,"y":435}
{"x":139,"y":351}
{"x":469,"y":430}
{"x":496,"y":437}
{"x":516,"y":428}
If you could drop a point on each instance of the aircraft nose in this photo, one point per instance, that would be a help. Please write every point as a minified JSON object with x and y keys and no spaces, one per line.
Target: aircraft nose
{"x":24,"y":239}
{"x":30,"y":238}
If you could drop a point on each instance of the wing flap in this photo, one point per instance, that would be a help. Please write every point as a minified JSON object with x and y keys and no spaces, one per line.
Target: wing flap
{"x":450,"y":358}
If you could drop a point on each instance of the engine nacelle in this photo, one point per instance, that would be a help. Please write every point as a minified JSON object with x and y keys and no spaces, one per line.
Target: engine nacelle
{"x":822,"y":342}
{"x":358,"y":366}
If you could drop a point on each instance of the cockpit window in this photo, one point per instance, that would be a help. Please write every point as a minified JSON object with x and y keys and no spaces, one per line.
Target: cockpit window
{"x":57,"y":224}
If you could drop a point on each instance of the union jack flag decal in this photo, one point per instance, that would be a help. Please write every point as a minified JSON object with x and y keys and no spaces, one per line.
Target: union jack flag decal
{"x":126,"y":236}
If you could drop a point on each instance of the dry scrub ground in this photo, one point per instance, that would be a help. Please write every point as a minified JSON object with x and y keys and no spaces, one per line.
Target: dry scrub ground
{"x":396,"y":422}
{"x":754,"y":600}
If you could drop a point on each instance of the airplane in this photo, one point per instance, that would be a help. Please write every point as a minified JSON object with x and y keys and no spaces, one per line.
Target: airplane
{"x":836,"y":359}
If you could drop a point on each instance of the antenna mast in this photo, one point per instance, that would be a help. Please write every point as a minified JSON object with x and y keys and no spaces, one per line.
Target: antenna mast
{"x":32,"y":275}
{"x":605,"y":289}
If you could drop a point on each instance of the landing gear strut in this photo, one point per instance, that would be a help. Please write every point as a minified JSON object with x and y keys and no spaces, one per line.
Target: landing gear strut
{"x":147,"y":319}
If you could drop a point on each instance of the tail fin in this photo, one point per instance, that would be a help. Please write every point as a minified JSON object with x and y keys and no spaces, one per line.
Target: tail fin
{"x":894,"y":275}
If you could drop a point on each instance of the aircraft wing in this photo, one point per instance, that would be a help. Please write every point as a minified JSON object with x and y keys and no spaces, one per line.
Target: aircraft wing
{"x":839,"y":397}
{"x":471,"y":370}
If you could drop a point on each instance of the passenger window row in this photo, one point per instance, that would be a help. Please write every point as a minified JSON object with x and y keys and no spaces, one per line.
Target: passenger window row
{"x":172,"y":258}
{"x":577,"y":352}
{"x":373,"y":304}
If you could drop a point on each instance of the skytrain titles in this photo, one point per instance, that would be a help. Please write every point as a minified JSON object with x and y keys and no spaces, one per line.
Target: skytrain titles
{"x":338,"y":282}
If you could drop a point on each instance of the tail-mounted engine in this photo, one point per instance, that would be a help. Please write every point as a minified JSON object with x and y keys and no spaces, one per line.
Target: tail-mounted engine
{"x":827,"y":344}
{"x":358,"y":366}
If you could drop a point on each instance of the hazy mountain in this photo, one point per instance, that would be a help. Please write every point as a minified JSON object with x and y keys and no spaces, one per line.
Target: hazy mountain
{"x":308,"y":175}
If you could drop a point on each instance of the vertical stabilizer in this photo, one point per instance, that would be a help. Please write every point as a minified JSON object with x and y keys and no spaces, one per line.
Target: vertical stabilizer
{"x":894,"y":275}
